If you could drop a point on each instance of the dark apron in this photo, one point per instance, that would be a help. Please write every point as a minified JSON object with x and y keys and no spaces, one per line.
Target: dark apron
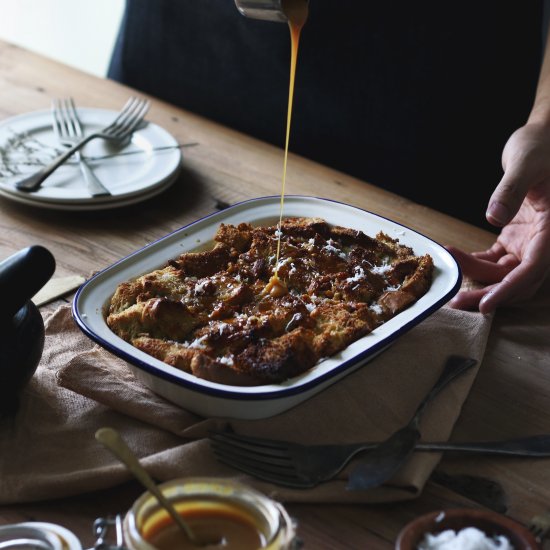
{"x":416,"y":97}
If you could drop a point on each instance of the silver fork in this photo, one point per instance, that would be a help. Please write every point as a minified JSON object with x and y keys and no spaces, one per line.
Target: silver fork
{"x":539,"y":526}
{"x":68,"y":130}
{"x":119,"y":130}
{"x":305,"y":466}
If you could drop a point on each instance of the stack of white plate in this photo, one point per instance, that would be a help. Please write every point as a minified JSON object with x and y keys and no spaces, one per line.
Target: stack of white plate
{"x":145,"y":167}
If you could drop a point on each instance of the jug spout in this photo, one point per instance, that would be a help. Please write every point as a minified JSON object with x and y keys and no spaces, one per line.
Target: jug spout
{"x":268,"y":10}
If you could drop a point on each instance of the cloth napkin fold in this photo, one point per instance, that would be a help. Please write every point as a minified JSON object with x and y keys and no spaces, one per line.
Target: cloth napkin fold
{"x":48,"y":450}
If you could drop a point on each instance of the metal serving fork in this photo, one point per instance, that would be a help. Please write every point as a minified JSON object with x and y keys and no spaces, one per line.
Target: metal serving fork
{"x":305,"y":466}
{"x":68,"y":130}
{"x":119,"y":131}
{"x":539,"y":526}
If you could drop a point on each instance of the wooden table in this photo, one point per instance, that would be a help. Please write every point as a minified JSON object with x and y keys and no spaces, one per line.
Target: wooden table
{"x":510,"y":395}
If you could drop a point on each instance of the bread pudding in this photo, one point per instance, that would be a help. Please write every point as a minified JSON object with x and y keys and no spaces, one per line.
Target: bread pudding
{"x":235,"y":315}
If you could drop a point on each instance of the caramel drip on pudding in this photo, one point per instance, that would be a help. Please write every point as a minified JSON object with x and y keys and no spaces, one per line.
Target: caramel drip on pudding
{"x":275,"y":287}
{"x":296,"y":12}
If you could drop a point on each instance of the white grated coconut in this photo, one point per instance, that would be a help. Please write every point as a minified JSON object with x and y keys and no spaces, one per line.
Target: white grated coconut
{"x":469,"y":538}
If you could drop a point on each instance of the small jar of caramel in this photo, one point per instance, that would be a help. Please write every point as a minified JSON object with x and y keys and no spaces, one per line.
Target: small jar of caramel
{"x":237,"y":516}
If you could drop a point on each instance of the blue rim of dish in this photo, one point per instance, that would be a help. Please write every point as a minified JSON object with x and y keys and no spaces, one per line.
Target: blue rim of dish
{"x":283,"y":392}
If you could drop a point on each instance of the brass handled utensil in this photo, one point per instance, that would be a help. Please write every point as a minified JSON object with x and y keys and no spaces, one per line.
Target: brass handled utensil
{"x":111,"y":439}
{"x":381,"y":463}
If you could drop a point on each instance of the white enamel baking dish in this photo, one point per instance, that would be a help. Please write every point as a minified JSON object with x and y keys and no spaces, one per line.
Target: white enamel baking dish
{"x":210,"y":399}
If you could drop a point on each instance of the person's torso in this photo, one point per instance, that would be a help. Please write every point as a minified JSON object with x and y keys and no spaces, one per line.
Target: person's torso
{"x":418,"y":98}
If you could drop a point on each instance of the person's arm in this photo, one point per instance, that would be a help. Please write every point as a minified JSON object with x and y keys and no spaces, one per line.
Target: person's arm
{"x":515,"y":267}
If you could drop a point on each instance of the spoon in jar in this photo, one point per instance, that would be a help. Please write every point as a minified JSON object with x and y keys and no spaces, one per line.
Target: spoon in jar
{"x":111,"y":439}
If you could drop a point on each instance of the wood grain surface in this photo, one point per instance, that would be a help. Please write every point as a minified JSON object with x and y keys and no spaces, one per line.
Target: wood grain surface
{"x":510,"y":397}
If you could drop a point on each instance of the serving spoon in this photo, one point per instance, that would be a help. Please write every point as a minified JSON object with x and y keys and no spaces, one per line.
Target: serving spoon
{"x":384,"y":460}
{"x":112,"y":440}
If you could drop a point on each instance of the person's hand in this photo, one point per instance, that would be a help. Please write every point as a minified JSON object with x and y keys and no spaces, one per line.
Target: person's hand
{"x":514,"y":268}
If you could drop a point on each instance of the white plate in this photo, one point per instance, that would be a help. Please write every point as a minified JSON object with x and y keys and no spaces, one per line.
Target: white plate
{"x":92,"y":204}
{"x":28,"y":140}
{"x":211,"y":399}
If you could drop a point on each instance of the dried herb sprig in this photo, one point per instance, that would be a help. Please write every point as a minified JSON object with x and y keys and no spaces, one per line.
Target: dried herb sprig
{"x":21,"y":151}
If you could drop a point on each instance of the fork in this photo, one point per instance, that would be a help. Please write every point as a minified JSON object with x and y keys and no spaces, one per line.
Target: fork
{"x":68,"y":130}
{"x":305,"y":466}
{"x":118,"y":131}
{"x":539,"y":526}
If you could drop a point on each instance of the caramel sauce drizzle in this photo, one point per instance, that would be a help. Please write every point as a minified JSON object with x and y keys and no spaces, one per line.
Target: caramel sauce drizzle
{"x":296,"y":12}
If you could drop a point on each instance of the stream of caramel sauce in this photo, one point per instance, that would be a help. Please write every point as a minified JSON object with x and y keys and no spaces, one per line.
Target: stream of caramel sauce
{"x":296,"y":12}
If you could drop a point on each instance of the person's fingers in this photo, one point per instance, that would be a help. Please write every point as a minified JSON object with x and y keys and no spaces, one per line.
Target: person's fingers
{"x":509,"y":193}
{"x":509,"y":260}
{"x":509,"y":280}
{"x":492,"y":254}
{"x":520,"y":283}
{"x":468,"y":300}
{"x":519,"y":286}
{"x":480,"y":270}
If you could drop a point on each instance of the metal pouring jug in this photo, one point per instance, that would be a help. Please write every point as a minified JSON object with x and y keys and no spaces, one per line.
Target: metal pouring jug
{"x":268,"y":10}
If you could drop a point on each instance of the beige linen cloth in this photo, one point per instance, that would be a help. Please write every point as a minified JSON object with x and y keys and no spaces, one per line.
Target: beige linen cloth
{"x":48,"y":450}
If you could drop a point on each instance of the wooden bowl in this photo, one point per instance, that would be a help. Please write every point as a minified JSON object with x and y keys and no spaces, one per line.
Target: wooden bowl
{"x":490,"y":523}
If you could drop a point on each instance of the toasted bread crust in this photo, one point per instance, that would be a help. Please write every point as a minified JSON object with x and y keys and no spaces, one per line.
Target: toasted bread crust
{"x":208,"y":313}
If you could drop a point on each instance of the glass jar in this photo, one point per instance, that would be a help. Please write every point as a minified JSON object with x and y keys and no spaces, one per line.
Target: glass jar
{"x":37,"y":534}
{"x":238,"y":516}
